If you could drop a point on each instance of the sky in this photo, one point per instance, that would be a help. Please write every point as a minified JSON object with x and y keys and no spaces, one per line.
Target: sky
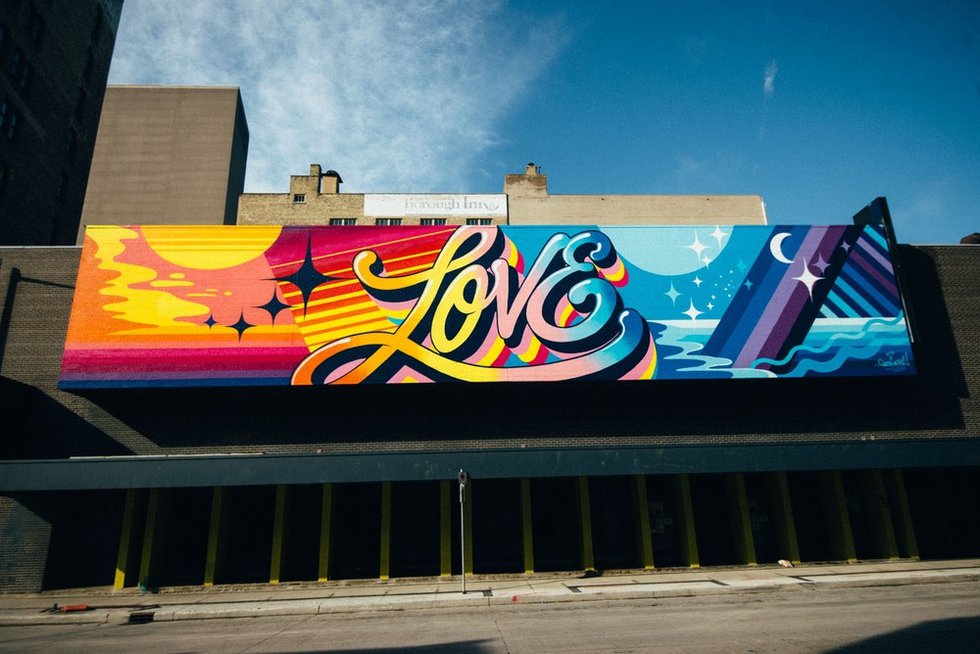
{"x":819,"y":107}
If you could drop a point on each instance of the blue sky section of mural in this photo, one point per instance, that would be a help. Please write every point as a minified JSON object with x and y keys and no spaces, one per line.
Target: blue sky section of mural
{"x":780,"y":301}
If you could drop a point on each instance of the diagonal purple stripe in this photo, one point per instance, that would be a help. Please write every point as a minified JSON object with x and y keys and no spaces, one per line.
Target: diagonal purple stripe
{"x":883,"y":281}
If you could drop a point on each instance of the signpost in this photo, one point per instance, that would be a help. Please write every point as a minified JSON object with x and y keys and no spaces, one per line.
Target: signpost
{"x":463,"y":481}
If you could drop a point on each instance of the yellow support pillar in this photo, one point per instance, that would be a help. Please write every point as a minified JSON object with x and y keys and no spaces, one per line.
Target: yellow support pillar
{"x":684,"y":510}
{"x":901,"y":514}
{"x":781,"y":506}
{"x":326,"y":512}
{"x":527,"y":525}
{"x":385,"y":530}
{"x":875,"y":502}
{"x":153,"y":532}
{"x":741,"y":521}
{"x":835,"y":512}
{"x":468,"y":527}
{"x":445,"y":529}
{"x":125,"y":540}
{"x":898,"y":500}
{"x":279,"y":534}
{"x":216,"y":535}
{"x":641,"y":508}
{"x":588,"y":556}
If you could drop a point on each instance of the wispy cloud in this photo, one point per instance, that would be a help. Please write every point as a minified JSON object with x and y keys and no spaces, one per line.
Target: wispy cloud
{"x":396,"y":96}
{"x":769,"y":79}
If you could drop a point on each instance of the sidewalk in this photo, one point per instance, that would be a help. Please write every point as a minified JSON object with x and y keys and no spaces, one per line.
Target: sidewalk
{"x":309,"y":598}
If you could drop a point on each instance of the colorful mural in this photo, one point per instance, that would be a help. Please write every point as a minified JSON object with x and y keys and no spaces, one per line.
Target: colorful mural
{"x":256,"y":305}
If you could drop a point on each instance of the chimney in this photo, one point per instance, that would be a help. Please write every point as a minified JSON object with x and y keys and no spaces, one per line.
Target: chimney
{"x":531,"y":184}
{"x":330,"y":181}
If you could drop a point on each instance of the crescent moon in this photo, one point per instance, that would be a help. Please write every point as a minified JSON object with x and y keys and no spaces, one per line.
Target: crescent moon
{"x":776,"y":247}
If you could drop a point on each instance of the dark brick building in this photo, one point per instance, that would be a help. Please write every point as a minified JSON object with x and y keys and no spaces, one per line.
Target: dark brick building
{"x":54,"y":63}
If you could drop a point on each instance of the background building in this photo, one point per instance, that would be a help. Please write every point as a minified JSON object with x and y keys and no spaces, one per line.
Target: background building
{"x":167,"y":155}
{"x":315,"y":199}
{"x":54,"y":59}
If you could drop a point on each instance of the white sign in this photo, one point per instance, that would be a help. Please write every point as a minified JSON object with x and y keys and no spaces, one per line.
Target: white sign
{"x":397,"y":205}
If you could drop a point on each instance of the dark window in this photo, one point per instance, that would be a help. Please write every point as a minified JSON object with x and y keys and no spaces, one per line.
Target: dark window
{"x":343,"y":221}
{"x":299,"y":198}
{"x":20,"y":70}
{"x":8,"y":120}
{"x":33,"y":24}
{"x":432,"y":221}
{"x":479,"y":221}
{"x":4,"y":178}
{"x":387,"y":221}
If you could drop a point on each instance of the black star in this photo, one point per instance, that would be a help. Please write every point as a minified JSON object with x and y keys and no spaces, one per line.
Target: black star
{"x":307,"y":277}
{"x":274,"y":306}
{"x":210,"y":322}
{"x":241,"y":326}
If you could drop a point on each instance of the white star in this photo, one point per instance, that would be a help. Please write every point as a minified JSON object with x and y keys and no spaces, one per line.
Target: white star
{"x":710,"y":306}
{"x":697,"y":281}
{"x":808,"y":279}
{"x":672,"y":293}
{"x":706,"y":260}
{"x":692,"y":312}
{"x":697,"y":246}
{"x":718,"y":234}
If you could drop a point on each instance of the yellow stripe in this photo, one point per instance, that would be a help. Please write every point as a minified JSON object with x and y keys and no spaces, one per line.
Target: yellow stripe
{"x":588,"y":558}
{"x":219,"y":509}
{"x":385,"y":530}
{"x":326,"y":511}
{"x":527,"y":525}
{"x":125,"y":538}
{"x":642,"y":509}
{"x":445,"y":530}
{"x":278,"y":535}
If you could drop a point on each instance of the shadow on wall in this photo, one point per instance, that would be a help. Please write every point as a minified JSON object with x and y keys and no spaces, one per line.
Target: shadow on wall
{"x":37,"y":426}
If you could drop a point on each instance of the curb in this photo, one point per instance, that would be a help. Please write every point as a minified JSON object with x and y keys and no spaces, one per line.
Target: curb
{"x":477,"y":598}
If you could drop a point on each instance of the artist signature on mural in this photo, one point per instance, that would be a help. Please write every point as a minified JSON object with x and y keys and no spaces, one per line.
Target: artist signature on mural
{"x":473,"y":307}
{"x":894,"y":362}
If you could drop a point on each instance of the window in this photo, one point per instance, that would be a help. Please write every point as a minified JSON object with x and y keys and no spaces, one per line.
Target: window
{"x":432,"y":221}
{"x":8,"y":120}
{"x":336,"y":222}
{"x":479,"y":221}
{"x":387,"y":221}
{"x":20,"y":70}
{"x":33,"y":24}
{"x":299,"y":198}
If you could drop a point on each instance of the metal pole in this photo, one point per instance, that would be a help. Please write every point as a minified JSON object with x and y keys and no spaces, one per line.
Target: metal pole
{"x":463,"y":477}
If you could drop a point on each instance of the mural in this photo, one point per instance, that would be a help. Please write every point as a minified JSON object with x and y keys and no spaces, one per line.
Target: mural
{"x":256,"y":305}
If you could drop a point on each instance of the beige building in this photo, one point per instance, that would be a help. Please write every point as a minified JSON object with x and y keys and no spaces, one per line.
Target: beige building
{"x":315,"y":199}
{"x":167,"y":155}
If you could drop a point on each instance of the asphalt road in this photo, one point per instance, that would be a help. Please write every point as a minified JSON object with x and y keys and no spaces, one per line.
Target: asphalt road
{"x":934,"y":617}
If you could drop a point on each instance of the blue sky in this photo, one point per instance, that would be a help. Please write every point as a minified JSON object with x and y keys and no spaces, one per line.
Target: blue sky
{"x":818,"y":107}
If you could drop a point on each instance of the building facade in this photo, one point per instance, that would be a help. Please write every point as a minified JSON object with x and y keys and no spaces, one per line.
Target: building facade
{"x":167,"y":155}
{"x":54,"y":59}
{"x":163,"y":485}
{"x":316,"y":199}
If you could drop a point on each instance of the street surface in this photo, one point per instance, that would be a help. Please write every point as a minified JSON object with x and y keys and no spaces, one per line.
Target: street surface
{"x":929,"y":617}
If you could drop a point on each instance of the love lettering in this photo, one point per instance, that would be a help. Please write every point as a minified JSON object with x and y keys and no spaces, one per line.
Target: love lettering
{"x":473,"y":316}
